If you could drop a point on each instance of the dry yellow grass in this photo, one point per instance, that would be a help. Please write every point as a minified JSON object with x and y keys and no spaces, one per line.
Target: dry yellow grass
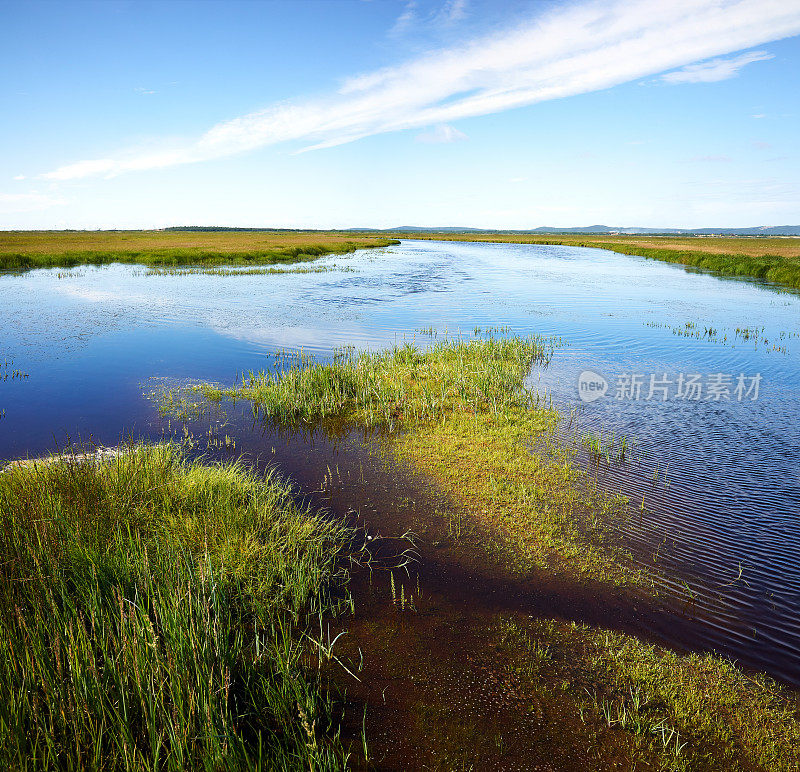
{"x":23,"y":250}
{"x":60,"y":242}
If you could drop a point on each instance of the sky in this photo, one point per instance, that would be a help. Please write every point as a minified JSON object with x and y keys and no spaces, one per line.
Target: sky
{"x":381,"y":113}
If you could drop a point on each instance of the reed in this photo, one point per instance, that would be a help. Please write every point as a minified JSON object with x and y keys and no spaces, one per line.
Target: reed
{"x":155,"y":614}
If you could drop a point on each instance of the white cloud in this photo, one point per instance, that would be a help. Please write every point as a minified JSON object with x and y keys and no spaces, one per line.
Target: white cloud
{"x":28,"y":202}
{"x":441,"y":134}
{"x":716,"y":69}
{"x":452,"y":11}
{"x":571,"y":50}
{"x":405,"y":20}
{"x":19,"y":177}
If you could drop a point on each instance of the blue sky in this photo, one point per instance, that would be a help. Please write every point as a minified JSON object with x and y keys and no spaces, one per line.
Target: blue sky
{"x":321,"y":113}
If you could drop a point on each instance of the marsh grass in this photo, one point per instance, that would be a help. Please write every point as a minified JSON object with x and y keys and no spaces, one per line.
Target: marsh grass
{"x":612,"y":449}
{"x":399,"y":388}
{"x":507,"y":474}
{"x":459,"y":413}
{"x":221,"y":271}
{"x":772,"y":268}
{"x":155,"y":614}
{"x":24,"y":250}
{"x":691,"y":712}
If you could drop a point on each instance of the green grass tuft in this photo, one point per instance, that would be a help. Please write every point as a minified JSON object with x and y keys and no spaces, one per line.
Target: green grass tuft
{"x":152,"y":617}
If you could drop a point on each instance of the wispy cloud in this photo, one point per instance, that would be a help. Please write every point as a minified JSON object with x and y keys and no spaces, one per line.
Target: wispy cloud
{"x":570,"y":50}
{"x":716,"y":69}
{"x":711,"y":159}
{"x":405,"y":20}
{"x":441,"y":134}
{"x":452,"y":11}
{"x":28,"y":202}
{"x":412,"y":18}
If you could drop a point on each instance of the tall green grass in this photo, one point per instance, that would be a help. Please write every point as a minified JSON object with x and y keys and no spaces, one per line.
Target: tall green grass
{"x":400,"y":386}
{"x":771,"y":268}
{"x":153,"y":616}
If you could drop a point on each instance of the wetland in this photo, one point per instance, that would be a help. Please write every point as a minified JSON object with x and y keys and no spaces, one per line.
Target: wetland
{"x":413,"y":540}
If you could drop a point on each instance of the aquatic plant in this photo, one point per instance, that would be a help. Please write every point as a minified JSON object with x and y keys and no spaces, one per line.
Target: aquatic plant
{"x":401,"y":386}
{"x":219,"y":271}
{"x":685,"y":711}
{"x":611,"y":450}
{"x":458,"y":412}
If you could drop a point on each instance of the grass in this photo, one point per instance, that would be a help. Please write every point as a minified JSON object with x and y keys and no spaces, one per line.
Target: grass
{"x":690,"y":712}
{"x":609,"y":449}
{"x":458,"y":412}
{"x":769,"y":259}
{"x":532,"y":507}
{"x":398,"y":388}
{"x":155,"y":615}
{"x":23,"y":250}
{"x":259,"y":271}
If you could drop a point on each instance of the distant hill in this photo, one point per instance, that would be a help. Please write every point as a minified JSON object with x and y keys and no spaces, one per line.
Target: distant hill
{"x":763,"y":230}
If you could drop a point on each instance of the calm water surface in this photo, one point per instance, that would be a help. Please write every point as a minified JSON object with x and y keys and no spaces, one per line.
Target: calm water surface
{"x":720,"y":480}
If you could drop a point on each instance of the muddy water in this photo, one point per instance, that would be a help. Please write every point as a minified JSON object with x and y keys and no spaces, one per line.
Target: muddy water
{"x":720,"y":479}
{"x":437,"y":690}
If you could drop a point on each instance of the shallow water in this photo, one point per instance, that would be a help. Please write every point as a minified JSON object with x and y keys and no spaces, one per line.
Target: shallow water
{"x":720,"y":480}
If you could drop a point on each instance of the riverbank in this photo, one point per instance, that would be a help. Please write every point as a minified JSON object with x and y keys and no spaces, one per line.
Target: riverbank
{"x":776,"y":260}
{"x":24,"y":250}
{"x":158,"y":614}
{"x":457,"y":413}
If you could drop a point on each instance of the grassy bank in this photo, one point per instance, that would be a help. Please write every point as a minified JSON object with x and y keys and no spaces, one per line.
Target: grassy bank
{"x":459,"y":413}
{"x":153,"y":616}
{"x":22,"y":250}
{"x":770,"y":259}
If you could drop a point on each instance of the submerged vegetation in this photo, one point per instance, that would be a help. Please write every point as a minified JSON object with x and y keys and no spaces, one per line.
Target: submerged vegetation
{"x":459,"y":413}
{"x":467,"y":422}
{"x":23,"y":250}
{"x":259,"y":271}
{"x":157,"y":614}
{"x":685,"y":712}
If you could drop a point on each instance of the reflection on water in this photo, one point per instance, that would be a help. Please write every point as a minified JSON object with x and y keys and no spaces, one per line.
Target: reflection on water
{"x":720,"y":481}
